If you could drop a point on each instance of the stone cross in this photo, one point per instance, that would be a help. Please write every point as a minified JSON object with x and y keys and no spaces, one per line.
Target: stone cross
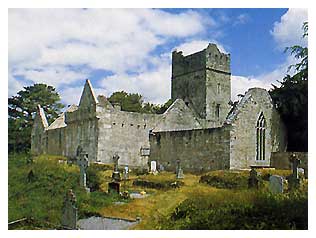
{"x":295,"y":163}
{"x":179,"y":171}
{"x":116,"y":173}
{"x":253,"y":180}
{"x":69,"y":211}
{"x":83,"y":163}
{"x":276,"y":184}
{"x":293,"y":179}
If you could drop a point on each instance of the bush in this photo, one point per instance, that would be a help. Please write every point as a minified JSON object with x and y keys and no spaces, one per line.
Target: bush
{"x":158,"y":185}
{"x":266,"y":173}
{"x":255,"y":211}
{"x":226,"y":179}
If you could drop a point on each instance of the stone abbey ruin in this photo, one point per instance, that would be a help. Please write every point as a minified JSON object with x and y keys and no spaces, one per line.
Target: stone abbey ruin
{"x":200,"y":128}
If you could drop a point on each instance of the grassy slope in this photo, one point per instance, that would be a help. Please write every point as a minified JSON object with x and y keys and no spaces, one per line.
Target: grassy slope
{"x":53,"y":180}
{"x":42,"y":198}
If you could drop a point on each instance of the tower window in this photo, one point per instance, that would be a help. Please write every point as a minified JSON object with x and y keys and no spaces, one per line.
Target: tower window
{"x":218,"y":88}
{"x":260,"y":131}
{"x":217,"y":110}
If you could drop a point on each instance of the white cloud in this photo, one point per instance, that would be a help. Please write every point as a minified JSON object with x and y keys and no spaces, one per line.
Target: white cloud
{"x":288,"y":31}
{"x":241,"y":19}
{"x":197,"y":45}
{"x":153,"y":85}
{"x":44,"y":42}
{"x":240,"y":84}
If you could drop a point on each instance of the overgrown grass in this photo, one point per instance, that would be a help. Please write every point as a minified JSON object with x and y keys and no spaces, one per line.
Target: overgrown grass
{"x":243,"y":210}
{"x":42,"y":197}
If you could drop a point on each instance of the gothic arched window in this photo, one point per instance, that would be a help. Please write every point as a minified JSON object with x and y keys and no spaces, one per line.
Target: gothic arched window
{"x":261,"y":128}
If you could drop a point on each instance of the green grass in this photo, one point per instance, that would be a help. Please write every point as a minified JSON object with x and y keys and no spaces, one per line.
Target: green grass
{"x":42,"y":198}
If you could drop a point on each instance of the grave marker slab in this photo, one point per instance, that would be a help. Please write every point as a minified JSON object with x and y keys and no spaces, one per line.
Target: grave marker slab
{"x":69,"y":211}
{"x":276,"y":184}
{"x":153,"y":166}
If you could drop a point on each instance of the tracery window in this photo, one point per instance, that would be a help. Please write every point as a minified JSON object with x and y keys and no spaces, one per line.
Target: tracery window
{"x":261,"y":128}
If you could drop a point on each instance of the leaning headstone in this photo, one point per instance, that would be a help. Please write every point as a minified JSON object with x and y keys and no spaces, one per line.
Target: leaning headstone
{"x":153,"y":166}
{"x":276,"y":184}
{"x":83,"y":163}
{"x":30,"y":176}
{"x":114,"y":187}
{"x":179,"y":171}
{"x":69,"y":211}
{"x":253,"y":181}
{"x":116,"y":173}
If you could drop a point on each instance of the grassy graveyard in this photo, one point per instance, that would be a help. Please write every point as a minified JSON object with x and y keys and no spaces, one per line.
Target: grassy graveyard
{"x":215,"y":200}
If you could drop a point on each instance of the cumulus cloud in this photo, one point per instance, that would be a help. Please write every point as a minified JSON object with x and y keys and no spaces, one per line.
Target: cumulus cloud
{"x":197,"y":45}
{"x":288,"y":31}
{"x":240,"y":84}
{"x":241,"y":19}
{"x":43,"y":43}
{"x":154,"y":85}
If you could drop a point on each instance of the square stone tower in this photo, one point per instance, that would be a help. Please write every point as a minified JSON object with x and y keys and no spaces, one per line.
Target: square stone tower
{"x":202,"y":80}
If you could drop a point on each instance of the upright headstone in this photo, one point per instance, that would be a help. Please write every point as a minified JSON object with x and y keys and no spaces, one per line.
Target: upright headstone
{"x":83,"y":163}
{"x":253,"y":181}
{"x":116,"y":173}
{"x":125,"y":173}
{"x":69,"y":211}
{"x":276,"y":184}
{"x":153,"y":166}
{"x":179,"y":171}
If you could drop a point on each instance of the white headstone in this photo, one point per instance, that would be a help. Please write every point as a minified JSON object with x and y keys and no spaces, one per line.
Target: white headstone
{"x":153,"y":166}
{"x":276,"y":184}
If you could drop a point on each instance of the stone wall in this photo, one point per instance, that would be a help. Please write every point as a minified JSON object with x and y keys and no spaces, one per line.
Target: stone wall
{"x":199,"y":150}
{"x":281,"y":160}
{"x":125,"y":133}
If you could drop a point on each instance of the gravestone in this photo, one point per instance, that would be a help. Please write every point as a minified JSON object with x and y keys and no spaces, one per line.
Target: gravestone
{"x":114,"y":187}
{"x":153,"y":166}
{"x":116,"y":173}
{"x":293,"y":179}
{"x":161,"y":167}
{"x":83,"y":163}
{"x":276,"y":184}
{"x":253,"y":181}
{"x":30,"y":176}
{"x":179,"y":171}
{"x":125,"y":173}
{"x":69,"y":211}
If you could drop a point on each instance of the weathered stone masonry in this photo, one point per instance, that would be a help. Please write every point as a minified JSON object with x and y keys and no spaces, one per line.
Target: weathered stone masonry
{"x":200,"y":128}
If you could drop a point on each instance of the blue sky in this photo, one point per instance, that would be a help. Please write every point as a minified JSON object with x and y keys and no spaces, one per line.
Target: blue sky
{"x":130,"y":49}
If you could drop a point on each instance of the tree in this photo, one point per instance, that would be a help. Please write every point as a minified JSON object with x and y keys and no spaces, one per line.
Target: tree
{"x":131,"y":102}
{"x":291,"y":98}
{"x":22,"y":108}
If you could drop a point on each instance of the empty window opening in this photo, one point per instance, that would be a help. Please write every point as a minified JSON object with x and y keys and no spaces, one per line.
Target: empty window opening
{"x":260,"y":132}
{"x":218,"y":88}
{"x":217,"y":110}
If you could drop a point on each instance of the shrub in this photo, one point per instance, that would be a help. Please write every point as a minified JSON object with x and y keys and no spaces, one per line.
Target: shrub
{"x":226,"y":179}
{"x":255,"y":211}
{"x":158,"y":185}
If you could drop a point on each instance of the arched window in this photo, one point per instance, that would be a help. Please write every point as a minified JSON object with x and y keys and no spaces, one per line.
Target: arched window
{"x":261,"y":127}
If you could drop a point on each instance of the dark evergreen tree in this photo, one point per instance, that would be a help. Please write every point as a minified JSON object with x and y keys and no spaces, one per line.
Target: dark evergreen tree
{"x":291,"y":98}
